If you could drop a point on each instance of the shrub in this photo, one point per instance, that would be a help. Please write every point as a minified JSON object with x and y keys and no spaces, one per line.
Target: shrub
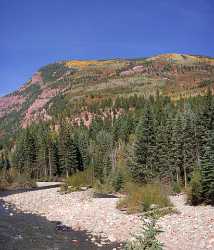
{"x":118,"y":182}
{"x":194,"y":191}
{"x":11,"y":179}
{"x":105,"y":187}
{"x":158,"y":213}
{"x":133,"y":201}
{"x":147,"y":239}
{"x":140,"y":198}
{"x":3,"y":184}
{"x":176,"y":188}
{"x":211,"y":194}
{"x":22,"y":182}
{"x":79,"y":179}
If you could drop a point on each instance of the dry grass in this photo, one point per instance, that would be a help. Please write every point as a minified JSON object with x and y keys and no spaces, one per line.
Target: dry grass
{"x":80,"y":179}
{"x":140,"y":198}
{"x":3,"y":184}
{"x":12,"y":180}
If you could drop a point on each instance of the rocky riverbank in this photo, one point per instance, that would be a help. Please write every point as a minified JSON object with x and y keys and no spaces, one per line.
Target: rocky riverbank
{"x":22,"y":231}
{"x":80,"y":211}
{"x":191,"y":228}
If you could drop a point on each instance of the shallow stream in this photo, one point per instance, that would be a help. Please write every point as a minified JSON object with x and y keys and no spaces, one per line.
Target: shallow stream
{"x":21,"y":231}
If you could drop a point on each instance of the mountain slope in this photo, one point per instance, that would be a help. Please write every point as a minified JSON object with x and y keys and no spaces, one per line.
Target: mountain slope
{"x":73,"y":85}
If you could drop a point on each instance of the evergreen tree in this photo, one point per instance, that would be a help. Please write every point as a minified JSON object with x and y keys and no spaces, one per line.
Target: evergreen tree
{"x":204,"y":123}
{"x":82,"y":141}
{"x":189,"y":145}
{"x":207,"y":170}
{"x":142,"y":165}
{"x":177,"y":147}
{"x":69,"y":155}
{"x":103,"y":155}
{"x":24,"y":157}
{"x":53,"y":158}
{"x":42,"y":151}
{"x":162,"y":157}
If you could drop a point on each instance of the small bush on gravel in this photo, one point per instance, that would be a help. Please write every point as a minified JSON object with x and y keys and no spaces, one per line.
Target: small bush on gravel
{"x":77,"y":180}
{"x":141,"y":198}
{"x":105,"y":187}
{"x":147,"y":239}
{"x":160,"y":212}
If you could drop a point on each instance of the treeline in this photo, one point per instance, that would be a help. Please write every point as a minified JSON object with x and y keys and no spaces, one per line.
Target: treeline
{"x":158,"y":139}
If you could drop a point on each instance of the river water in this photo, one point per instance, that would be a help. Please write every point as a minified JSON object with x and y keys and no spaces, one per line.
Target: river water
{"x":21,"y":231}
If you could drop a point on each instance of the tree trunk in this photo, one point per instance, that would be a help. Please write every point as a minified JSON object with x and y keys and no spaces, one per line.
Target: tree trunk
{"x":50,"y":164}
{"x":113,"y":157}
{"x":185,"y":177}
{"x":178,"y":175}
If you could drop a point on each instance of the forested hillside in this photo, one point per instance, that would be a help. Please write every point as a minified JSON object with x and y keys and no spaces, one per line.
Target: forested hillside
{"x":80,"y":89}
{"x":118,"y":120}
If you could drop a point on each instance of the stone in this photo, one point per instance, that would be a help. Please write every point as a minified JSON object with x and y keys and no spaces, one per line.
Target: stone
{"x":111,"y":238}
{"x":99,"y":245}
{"x":18,"y":237}
{"x":154,"y":206}
{"x":75,"y":242}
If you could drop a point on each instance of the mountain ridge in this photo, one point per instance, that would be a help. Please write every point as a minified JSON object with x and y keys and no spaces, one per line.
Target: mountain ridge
{"x":174,"y":75}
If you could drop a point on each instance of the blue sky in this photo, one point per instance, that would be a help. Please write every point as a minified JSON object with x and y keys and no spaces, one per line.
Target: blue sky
{"x":37,"y":32}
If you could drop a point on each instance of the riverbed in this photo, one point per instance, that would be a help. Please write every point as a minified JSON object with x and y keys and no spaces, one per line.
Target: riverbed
{"x":29,"y":231}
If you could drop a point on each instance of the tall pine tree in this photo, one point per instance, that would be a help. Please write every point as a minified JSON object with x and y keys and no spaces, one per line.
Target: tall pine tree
{"x":207,"y":170}
{"x":142,"y":164}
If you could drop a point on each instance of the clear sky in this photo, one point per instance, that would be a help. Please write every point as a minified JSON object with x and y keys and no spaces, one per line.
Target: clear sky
{"x":37,"y":32}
